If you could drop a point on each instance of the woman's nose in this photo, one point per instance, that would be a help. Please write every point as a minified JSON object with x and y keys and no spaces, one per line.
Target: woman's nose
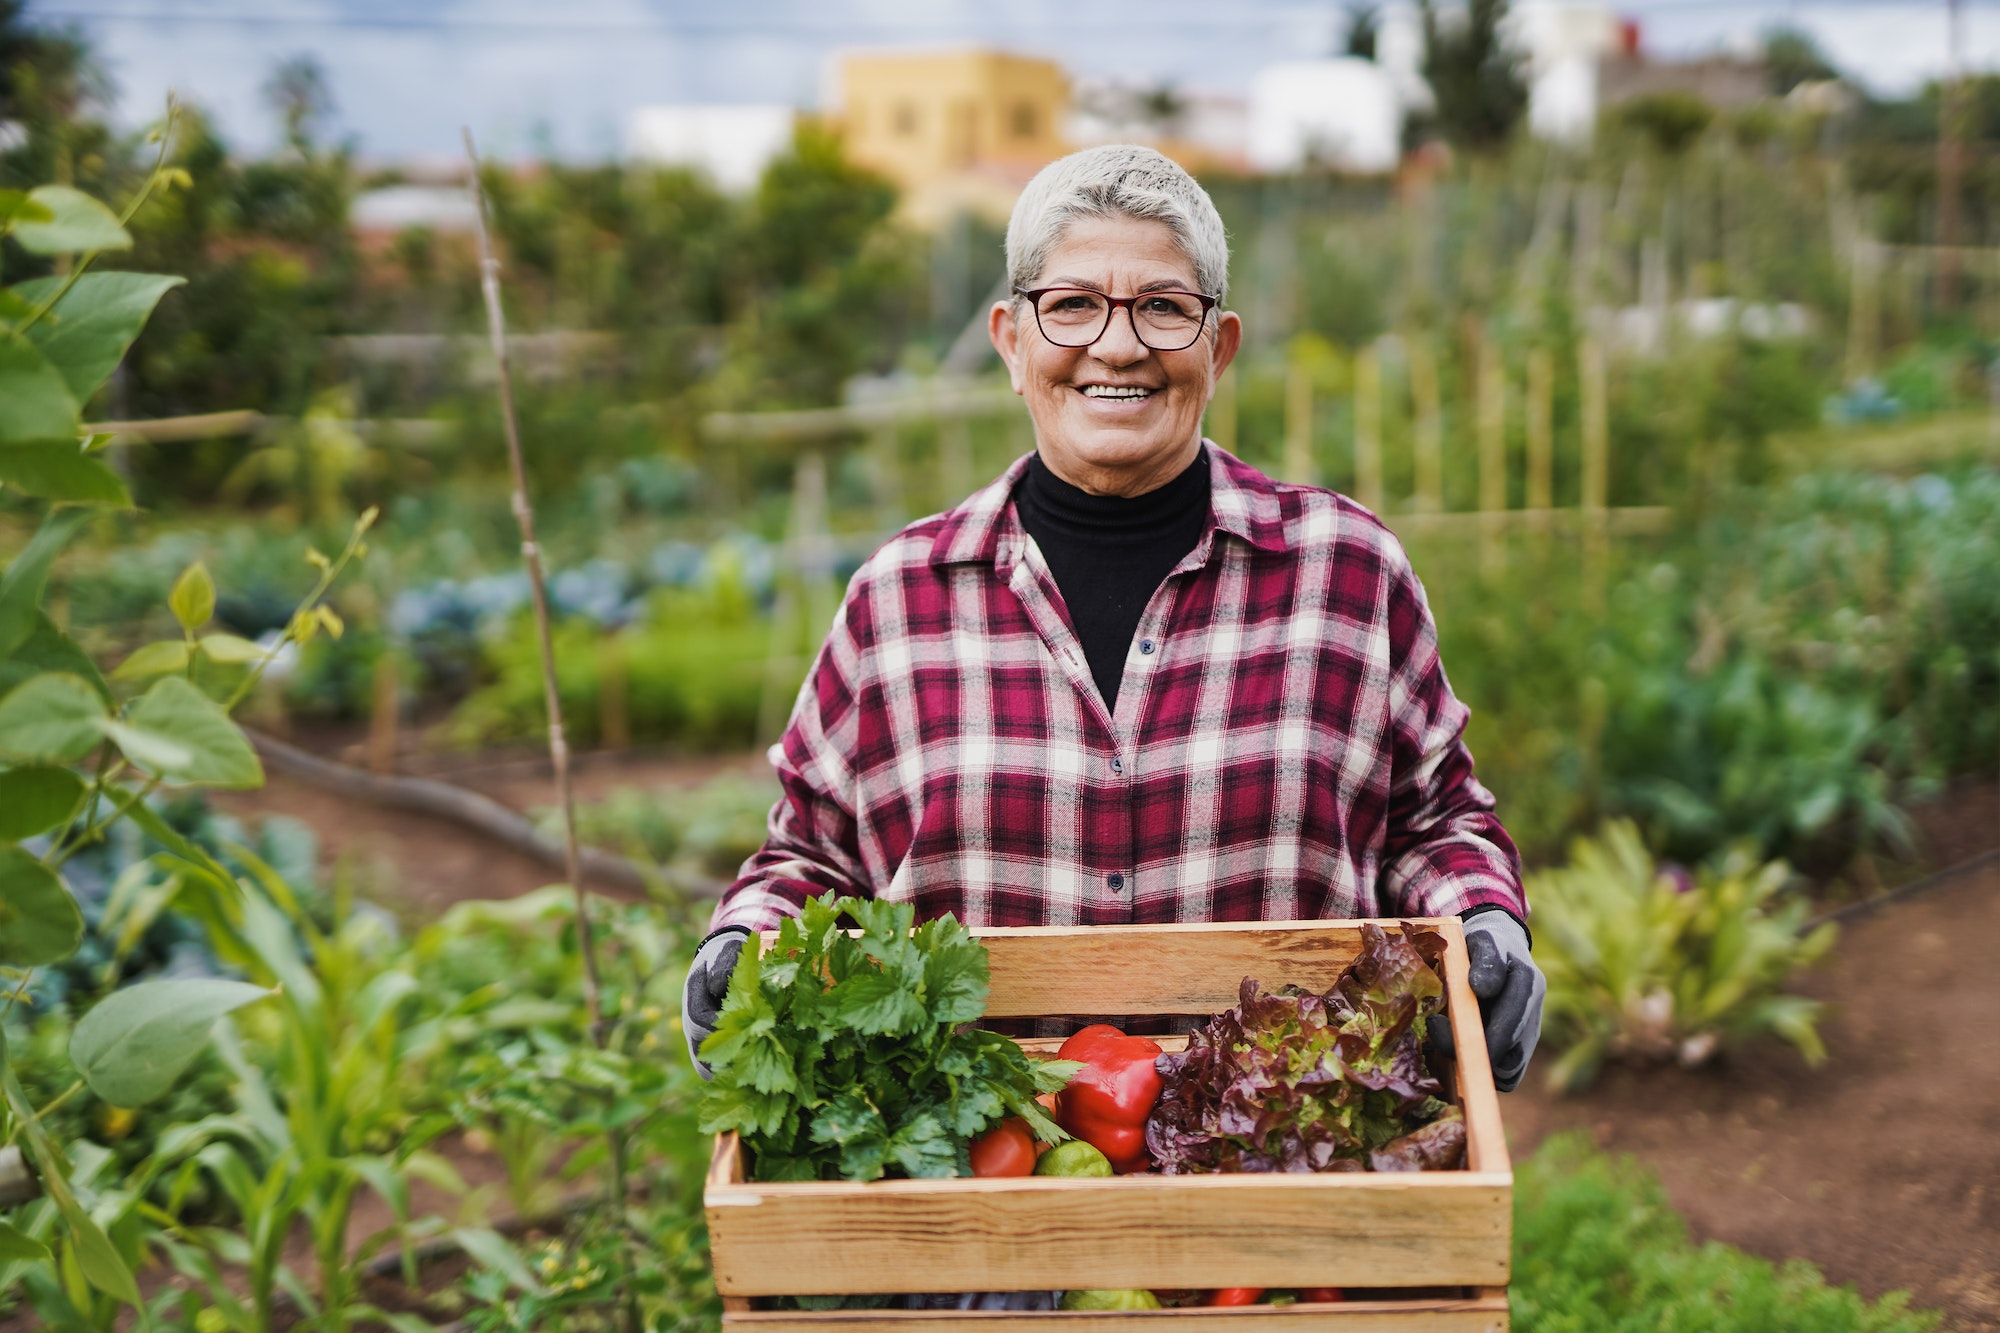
{"x":1119,"y":344}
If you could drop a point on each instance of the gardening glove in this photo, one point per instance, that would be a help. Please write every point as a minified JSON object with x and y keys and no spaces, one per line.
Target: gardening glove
{"x":1510,"y":989}
{"x":707,"y":985}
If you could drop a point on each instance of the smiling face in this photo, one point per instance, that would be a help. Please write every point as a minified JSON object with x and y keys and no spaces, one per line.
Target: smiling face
{"x":1117,"y":417}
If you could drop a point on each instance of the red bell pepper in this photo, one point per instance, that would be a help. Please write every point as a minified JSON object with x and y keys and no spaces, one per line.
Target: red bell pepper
{"x":1007,"y":1149}
{"x":1107,"y":1103}
{"x":1321,"y":1296}
{"x":1234,"y":1296}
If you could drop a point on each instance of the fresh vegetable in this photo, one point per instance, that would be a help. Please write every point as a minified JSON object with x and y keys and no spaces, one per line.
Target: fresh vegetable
{"x":1136,"y":1299}
{"x":1007,"y":1149}
{"x":1235,"y":1296}
{"x":1321,"y":1295}
{"x":847,"y":1056}
{"x":1075,"y":1158}
{"x":1438,"y":1146}
{"x":1108,"y":1100}
{"x":1303,"y":1082}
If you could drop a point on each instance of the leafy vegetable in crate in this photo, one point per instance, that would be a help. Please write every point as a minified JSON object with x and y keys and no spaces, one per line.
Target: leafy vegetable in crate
{"x":1303,"y":1082}
{"x":843,"y":1056}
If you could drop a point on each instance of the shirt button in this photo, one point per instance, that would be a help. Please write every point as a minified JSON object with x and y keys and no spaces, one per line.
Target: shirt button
{"x":1115,"y":880}
{"x":1117,"y":765}
{"x":1146,"y":646}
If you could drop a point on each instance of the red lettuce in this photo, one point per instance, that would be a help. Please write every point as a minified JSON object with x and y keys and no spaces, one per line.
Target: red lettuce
{"x":1294,"y":1081}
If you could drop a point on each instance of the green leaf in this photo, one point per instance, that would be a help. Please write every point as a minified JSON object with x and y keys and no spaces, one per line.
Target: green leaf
{"x":87,"y":333}
{"x":134,"y":1044}
{"x":103,"y":1267}
{"x":16,"y":207}
{"x":21,"y":587}
{"x":77,"y":224}
{"x":36,"y":406}
{"x":62,"y":472}
{"x":16,"y":1245}
{"x":193,"y":599}
{"x":56,"y":719}
{"x":36,"y":799}
{"x":229,"y":650}
{"x":489,"y":1249}
{"x":150,"y":751}
{"x":218,"y":753}
{"x":48,"y":650}
{"x":154,"y":659}
{"x":39,"y":921}
{"x":871,"y":1003}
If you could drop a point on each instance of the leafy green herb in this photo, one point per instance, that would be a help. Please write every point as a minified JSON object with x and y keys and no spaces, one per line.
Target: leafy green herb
{"x":848,"y":1056}
{"x":1303,"y":1082}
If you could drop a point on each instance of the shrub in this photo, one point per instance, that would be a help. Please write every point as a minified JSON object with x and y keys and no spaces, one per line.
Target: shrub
{"x":1650,"y":964}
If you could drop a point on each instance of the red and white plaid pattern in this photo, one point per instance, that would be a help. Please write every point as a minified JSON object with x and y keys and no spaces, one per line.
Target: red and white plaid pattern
{"x":1285,"y":746}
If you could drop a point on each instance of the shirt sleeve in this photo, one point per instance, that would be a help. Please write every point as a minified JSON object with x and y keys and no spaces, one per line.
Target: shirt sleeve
{"x":1445,"y":851}
{"x":811,"y":844}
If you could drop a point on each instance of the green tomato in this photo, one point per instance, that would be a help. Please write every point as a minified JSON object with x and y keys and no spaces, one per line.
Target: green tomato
{"x":1075,"y":1158}
{"x":1136,"y":1299}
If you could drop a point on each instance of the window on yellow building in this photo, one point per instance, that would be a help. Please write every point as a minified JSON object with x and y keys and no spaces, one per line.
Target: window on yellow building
{"x":1023,"y":120}
{"x":906,"y":118}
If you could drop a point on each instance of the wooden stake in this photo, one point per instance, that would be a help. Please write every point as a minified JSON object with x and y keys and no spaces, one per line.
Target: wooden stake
{"x":1541,"y":430}
{"x":1299,"y":425}
{"x":1492,"y":456}
{"x":1368,"y":428}
{"x":1596,"y":465}
{"x":614,"y":718}
{"x":1429,"y":426}
{"x":1222,"y":411}
{"x":383,"y":719}
{"x":531,"y":556}
{"x":1864,"y":308}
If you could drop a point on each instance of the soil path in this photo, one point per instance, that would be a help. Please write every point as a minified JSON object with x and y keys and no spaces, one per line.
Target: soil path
{"x":1882,"y":1167}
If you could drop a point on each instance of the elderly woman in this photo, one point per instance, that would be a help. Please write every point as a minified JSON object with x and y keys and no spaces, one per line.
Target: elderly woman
{"x":1135,"y":679}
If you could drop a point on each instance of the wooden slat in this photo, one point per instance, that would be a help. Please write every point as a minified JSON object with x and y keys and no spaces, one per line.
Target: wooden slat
{"x":1445,"y":1228}
{"x":1472,"y":1071}
{"x":1485,"y":1312}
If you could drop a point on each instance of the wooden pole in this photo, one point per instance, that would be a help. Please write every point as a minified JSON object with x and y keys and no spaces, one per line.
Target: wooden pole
{"x":1222,"y":411}
{"x":1368,"y":428}
{"x":1951,"y":165}
{"x":1299,"y":424}
{"x":383,"y":718}
{"x":531,"y":556}
{"x":1596,"y":467}
{"x":1864,"y":308}
{"x":1541,"y":430}
{"x":1492,"y":456}
{"x":1429,"y":426}
{"x":614,"y":716}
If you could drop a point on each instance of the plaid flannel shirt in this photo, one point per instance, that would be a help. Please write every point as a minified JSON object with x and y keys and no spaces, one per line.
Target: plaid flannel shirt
{"x":1285,"y":744}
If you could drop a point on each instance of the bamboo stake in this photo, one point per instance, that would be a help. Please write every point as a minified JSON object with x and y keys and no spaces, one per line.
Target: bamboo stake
{"x":1298,"y":425}
{"x":1541,"y":430}
{"x":1429,"y":426}
{"x":383,"y":718}
{"x":1492,"y":456}
{"x":1368,"y":428}
{"x":531,"y":556}
{"x":614,"y":693}
{"x":1596,"y":466}
{"x":1222,"y":411}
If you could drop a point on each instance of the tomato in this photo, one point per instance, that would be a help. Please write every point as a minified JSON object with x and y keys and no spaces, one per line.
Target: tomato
{"x":1007,"y":1149}
{"x":1320,"y":1295}
{"x":1234,"y":1296}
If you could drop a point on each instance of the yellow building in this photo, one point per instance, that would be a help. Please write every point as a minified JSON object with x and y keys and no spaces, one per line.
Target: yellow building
{"x":958,"y":130}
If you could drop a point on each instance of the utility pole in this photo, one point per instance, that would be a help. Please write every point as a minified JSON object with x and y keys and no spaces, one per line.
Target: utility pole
{"x":1951,"y":163}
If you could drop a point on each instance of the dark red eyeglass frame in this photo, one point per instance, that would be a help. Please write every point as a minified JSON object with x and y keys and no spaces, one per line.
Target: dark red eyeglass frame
{"x":1113,"y":305}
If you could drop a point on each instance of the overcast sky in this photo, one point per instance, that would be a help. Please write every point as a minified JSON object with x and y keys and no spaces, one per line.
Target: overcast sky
{"x":406,"y":73}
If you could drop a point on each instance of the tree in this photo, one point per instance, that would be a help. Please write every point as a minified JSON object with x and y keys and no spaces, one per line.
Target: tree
{"x":1364,"y":24}
{"x":1792,"y":57}
{"x":298,"y":91}
{"x":1474,"y":76}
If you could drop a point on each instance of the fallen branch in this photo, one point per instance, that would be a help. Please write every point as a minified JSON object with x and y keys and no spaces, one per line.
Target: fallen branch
{"x":469,"y":809}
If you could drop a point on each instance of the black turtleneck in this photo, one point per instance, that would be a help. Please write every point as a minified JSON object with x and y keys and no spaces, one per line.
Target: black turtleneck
{"x":1110,"y":553}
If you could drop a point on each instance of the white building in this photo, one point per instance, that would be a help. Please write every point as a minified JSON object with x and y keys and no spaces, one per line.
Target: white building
{"x":733,"y":144}
{"x":1564,"y":42}
{"x":1343,"y":112}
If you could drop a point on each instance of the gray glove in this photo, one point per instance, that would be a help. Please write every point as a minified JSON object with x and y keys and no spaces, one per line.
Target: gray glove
{"x":707,"y":986}
{"x":1510,"y":989}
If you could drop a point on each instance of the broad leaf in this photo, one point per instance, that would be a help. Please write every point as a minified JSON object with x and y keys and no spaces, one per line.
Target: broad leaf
{"x":229,"y":650}
{"x":36,"y":406}
{"x":148,"y":749}
{"x":17,"y":1245}
{"x":39,"y":921}
{"x":99,"y":1259}
{"x":490,"y":1249}
{"x":63,"y":473}
{"x":55,"y":719}
{"x":36,"y":799}
{"x":134,"y":1044}
{"x":153,"y":659}
{"x":218,"y":753}
{"x":78,"y":224}
{"x":94,"y":323}
{"x":193,"y":599}
{"x":48,"y":649}
{"x":15,"y":206}
{"x":21,"y":587}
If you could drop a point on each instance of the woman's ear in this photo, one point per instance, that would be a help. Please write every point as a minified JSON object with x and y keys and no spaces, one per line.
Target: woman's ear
{"x":1228,"y":341}
{"x":1005,"y":331}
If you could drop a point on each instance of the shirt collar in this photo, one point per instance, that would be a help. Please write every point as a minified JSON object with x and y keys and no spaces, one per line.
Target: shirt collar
{"x":1242,"y":502}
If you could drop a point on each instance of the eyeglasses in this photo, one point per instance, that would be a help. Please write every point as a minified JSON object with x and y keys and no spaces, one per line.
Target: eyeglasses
{"x":1078,"y":316}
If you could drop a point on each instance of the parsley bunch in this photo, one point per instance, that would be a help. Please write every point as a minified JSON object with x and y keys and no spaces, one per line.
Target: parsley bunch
{"x":846,"y":1056}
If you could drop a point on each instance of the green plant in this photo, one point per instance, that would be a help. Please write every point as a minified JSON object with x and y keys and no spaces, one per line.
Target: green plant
{"x":1644,"y":964}
{"x":1597,"y":1249}
{"x":711,"y":828}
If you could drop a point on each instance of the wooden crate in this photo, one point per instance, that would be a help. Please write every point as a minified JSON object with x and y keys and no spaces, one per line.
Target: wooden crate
{"x":1445,"y":1231}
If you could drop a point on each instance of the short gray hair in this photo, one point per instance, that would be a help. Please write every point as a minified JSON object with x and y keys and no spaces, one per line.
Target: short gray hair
{"x":1120,"y":178}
